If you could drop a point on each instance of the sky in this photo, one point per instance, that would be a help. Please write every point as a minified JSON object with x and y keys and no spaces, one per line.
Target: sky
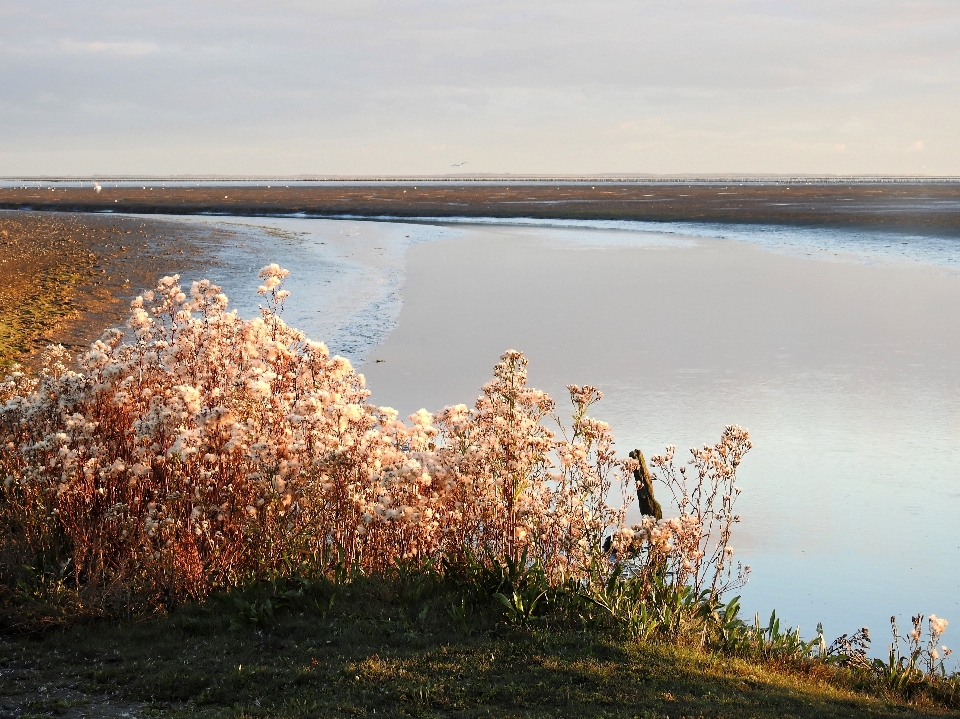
{"x":407,"y":87}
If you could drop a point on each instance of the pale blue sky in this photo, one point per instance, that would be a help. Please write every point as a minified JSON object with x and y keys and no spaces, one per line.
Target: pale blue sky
{"x":542,"y":86}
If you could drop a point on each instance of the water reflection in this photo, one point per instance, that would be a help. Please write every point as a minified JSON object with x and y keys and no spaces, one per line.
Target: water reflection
{"x":846,"y":373}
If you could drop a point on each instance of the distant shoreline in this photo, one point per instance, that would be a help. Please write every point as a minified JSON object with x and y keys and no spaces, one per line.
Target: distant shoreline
{"x":506,"y":179}
{"x":921,"y":206}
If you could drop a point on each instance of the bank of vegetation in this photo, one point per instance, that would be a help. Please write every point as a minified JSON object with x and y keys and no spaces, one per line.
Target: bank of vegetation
{"x":271,"y":544}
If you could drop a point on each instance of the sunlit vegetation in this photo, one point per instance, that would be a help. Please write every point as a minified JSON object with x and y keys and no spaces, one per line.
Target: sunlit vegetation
{"x":197,"y":472}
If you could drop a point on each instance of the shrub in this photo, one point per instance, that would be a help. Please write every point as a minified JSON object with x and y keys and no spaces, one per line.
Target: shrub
{"x":197,"y":451}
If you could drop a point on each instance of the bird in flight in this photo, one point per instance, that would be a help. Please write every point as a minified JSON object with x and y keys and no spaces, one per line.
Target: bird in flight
{"x":458,"y":164}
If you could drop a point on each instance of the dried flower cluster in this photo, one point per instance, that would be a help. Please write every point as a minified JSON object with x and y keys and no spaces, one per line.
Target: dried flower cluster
{"x":916,"y":653}
{"x":199,"y":450}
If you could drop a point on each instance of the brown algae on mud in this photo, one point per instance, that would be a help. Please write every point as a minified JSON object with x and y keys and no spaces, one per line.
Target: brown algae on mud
{"x":66,"y":276}
{"x":40,"y":272}
{"x":49,"y":301}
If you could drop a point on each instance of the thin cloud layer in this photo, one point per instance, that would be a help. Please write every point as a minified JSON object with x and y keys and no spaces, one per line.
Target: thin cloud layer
{"x":123,"y":49}
{"x":551,"y":87}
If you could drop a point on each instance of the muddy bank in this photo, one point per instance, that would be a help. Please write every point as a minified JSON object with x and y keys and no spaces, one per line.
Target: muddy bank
{"x":65,"y":277}
{"x":929,"y":208}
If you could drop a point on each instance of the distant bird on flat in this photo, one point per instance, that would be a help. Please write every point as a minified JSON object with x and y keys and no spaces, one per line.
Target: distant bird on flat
{"x":96,"y":187}
{"x":458,"y":164}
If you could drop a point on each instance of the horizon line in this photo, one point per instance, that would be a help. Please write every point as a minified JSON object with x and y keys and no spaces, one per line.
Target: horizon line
{"x":496,"y":177}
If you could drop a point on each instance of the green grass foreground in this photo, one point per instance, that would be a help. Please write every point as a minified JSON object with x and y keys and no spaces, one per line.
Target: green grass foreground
{"x":372,"y":648}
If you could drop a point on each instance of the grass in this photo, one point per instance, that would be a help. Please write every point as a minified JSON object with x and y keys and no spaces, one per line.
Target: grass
{"x":373,"y":649}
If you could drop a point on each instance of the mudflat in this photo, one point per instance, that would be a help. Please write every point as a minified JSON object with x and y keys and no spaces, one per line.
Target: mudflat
{"x":925,"y":207}
{"x":66,"y":277}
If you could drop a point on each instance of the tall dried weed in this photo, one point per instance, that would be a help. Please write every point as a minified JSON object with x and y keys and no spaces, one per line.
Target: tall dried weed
{"x":196,"y":450}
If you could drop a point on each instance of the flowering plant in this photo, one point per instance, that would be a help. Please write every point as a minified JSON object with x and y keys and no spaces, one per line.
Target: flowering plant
{"x":197,"y":450}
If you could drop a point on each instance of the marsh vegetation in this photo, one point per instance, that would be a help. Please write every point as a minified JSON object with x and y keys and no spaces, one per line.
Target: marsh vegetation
{"x":198,"y":473}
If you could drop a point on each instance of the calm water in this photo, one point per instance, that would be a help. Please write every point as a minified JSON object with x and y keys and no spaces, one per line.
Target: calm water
{"x":837,"y":349}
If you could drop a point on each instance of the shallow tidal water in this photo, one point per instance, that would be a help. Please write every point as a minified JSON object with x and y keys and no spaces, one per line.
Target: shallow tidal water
{"x":346,"y":277}
{"x":838,"y":350}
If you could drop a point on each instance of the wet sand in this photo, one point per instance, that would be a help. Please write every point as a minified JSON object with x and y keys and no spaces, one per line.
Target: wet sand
{"x":929,"y":208}
{"x":66,"y":277}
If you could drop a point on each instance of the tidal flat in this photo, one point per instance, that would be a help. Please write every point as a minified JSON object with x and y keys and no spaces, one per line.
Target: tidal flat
{"x":65,"y":277}
{"x":928,"y":207}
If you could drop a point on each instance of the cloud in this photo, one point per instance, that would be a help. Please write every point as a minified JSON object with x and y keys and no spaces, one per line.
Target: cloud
{"x":124,"y":49}
{"x":376,"y":86}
